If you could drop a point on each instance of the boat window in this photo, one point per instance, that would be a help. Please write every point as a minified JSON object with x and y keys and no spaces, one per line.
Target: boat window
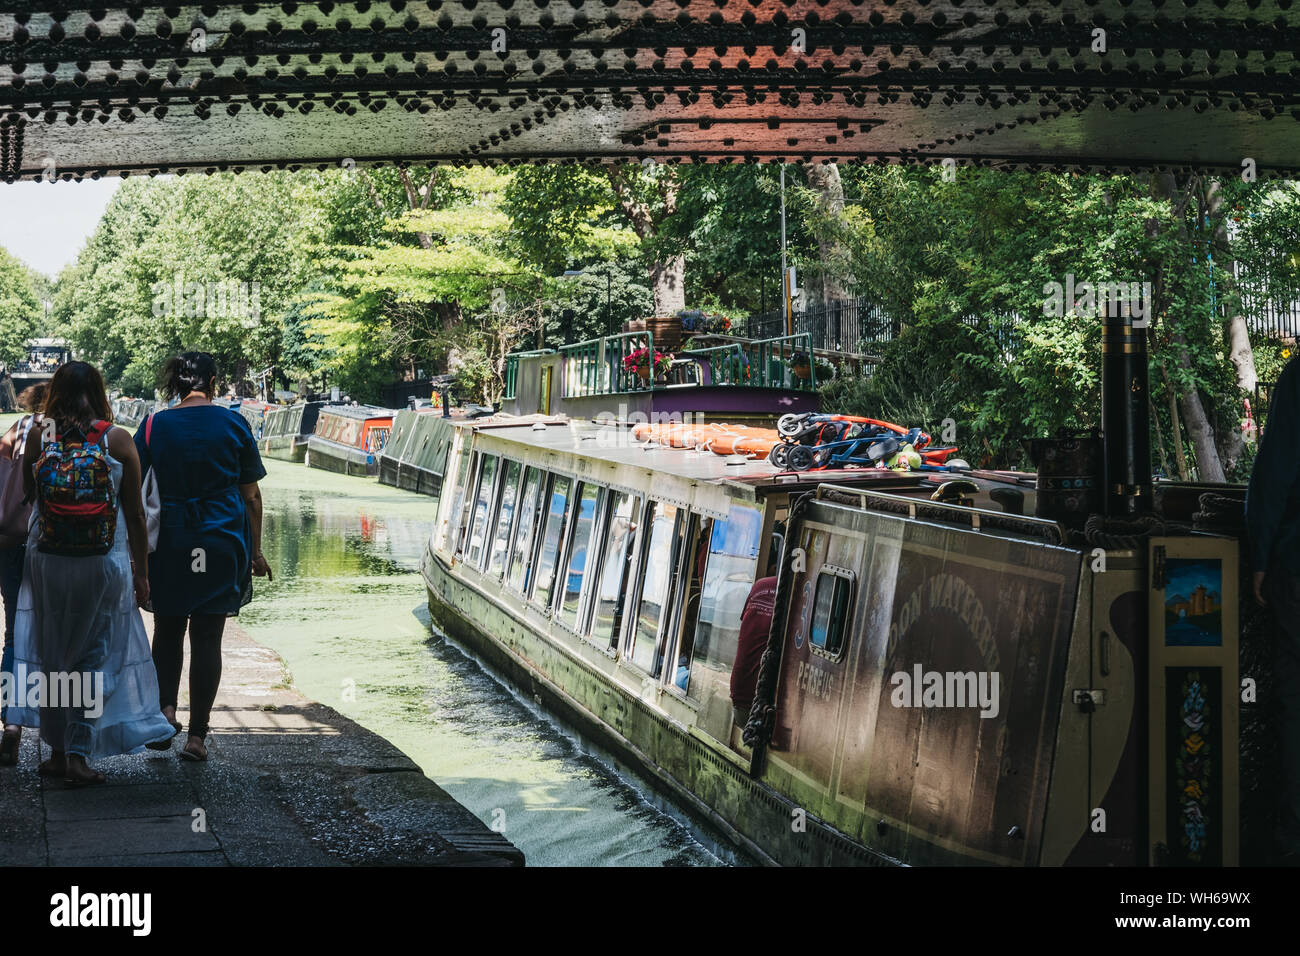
{"x":620,"y":537}
{"x":831,"y":611}
{"x":584,"y":519}
{"x":732,"y":568}
{"x":548,"y":555}
{"x":521,"y":551}
{"x":452,"y":503}
{"x":659,"y":560}
{"x":465,"y":492}
{"x":479,"y":529}
{"x":696,"y":558}
{"x":505,"y":516}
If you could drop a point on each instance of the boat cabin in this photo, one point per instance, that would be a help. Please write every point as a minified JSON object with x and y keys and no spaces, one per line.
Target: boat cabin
{"x":349,"y":438}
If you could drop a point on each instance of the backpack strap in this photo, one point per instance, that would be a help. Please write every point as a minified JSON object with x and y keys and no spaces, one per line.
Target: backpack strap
{"x":148,"y":429}
{"x":97,"y":431}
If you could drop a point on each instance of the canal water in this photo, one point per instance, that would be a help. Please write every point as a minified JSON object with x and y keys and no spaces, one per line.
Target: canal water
{"x":347,"y":611}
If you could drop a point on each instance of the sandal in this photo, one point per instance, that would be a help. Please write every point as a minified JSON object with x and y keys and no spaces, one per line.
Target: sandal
{"x":56,"y":766}
{"x":88,"y":776}
{"x":166,"y":744}
{"x":194,"y":750}
{"x":9,"y":747}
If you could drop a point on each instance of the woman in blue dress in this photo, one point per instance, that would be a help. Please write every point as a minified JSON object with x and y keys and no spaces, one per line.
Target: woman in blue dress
{"x":207,"y":466}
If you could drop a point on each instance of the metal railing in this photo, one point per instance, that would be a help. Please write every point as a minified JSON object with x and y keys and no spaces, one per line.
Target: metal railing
{"x":848,"y":326}
{"x":598,"y":366}
{"x":512,"y":369}
{"x":784,"y":361}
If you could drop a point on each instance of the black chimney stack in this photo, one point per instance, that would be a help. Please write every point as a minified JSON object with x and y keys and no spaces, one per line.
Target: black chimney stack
{"x":1125,"y":416}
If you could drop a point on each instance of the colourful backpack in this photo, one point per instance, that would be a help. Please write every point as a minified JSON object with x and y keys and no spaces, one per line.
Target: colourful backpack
{"x":76,"y":507}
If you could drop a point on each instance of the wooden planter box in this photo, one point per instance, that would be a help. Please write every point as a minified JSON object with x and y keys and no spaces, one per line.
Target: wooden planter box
{"x":667,"y":330}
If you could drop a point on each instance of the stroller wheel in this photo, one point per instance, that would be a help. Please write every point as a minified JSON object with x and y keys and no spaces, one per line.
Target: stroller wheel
{"x":790,"y":424}
{"x":801,"y":457}
{"x":780,"y":456}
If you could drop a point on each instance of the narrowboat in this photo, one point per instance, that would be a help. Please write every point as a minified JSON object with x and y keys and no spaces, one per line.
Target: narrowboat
{"x":349,"y":439}
{"x":130,"y":412}
{"x":286,"y":429}
{"x":946,"y":678}
{"x":253,"y":412}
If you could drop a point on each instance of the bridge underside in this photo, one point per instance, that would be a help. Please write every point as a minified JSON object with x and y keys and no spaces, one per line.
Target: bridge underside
{"x":1208,"y":84}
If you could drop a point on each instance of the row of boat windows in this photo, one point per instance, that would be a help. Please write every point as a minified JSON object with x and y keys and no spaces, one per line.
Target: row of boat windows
{"x":661,"y":585}
{"x":351,"y":431}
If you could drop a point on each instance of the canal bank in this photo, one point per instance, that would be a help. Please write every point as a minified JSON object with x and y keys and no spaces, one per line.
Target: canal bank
{"x":347,"y":611}
{"x":288,"y":782}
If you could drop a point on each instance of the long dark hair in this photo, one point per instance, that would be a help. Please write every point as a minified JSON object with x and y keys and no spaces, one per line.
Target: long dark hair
{"x":77,"y":398}
{"x":189,"y":372}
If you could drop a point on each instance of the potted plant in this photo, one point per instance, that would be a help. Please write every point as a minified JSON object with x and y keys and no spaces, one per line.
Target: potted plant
{"x":643,"y":364}
{"x":801,"y":366}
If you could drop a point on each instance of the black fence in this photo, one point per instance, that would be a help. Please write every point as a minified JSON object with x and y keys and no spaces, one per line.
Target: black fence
{"x":1271,"y":317}
{"x":850,"y":326}
{"x":861,"y":326}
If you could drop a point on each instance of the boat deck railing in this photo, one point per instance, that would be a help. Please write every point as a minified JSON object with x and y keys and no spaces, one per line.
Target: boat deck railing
{"x":785,"y":361}
{"x":512,"y":369}
{"x":601,"y":366}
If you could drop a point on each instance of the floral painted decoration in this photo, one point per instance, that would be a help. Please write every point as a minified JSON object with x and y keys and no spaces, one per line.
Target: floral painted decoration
{"x":1192,"y":768}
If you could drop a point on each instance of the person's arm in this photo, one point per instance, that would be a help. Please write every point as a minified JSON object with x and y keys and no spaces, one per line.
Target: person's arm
{"x":10,"y":440}
{"x":131,"y":501}
{"x":35,"y":445}
{"x":1275,"y":470}
{"x":253,"y":501}
{"x":251,"y":471}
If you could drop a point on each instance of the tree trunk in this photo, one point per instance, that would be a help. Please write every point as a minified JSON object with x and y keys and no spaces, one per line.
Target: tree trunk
{"x":667,"y":273}
{"x":824,"y":179}
{"x":1199,"y":429}
{"x":1243,"y":357}
{"x":1180,"y":456}
{"x":667,"y":281}
{"x":1236,"y":333}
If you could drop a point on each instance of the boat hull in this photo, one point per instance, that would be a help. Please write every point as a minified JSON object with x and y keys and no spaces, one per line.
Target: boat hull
{"x":745,"y":815}
{"x":331,"y":456}
{"x":291,"y":448}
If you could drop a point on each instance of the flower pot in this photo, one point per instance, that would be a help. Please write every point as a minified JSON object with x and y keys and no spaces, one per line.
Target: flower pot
{"x":802,"y":372}
{"x":643,"y":373}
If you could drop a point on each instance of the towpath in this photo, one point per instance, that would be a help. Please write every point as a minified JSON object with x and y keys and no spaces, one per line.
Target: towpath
{"x":288,"y":782}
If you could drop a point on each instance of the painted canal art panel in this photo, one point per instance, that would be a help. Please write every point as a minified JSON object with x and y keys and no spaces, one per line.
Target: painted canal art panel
{"x":1194,"y":602}
{"x":1193,"y":729}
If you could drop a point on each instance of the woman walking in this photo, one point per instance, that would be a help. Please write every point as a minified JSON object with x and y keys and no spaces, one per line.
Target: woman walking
{"x":85,"y":572}
{"x":15,"y":514}
{"x":210,"y":536}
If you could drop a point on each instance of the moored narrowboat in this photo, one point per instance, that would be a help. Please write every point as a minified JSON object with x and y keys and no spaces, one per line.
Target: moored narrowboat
{"x":253,"y":412}
{"x":130,"y":412}
{"x":943,"y":681}
{"x":349,"y":439}
{"x":287,"y":428}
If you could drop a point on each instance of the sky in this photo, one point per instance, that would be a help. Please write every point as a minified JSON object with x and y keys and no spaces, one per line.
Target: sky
{"x":46,"y":224}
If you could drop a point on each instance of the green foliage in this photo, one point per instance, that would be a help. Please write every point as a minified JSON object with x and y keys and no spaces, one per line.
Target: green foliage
{"x":21,"y":312}
{"x":596,"y":303}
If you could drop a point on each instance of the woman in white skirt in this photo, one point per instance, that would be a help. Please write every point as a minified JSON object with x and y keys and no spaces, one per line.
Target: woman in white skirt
{"x":78,"y":621}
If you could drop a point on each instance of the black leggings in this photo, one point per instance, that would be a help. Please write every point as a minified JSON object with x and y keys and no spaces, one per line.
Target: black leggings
{"x":205,"y":663}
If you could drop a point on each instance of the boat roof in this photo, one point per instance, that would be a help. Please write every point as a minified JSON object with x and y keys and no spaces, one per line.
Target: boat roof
{"x":612,"y":443}
{"x":358,"y":411}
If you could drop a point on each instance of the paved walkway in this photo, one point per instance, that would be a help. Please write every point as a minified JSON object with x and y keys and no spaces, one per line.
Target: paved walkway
{"x":287,"y":782}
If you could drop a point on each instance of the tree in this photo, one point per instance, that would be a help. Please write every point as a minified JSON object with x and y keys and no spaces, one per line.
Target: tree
{"x":21,"y":313}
